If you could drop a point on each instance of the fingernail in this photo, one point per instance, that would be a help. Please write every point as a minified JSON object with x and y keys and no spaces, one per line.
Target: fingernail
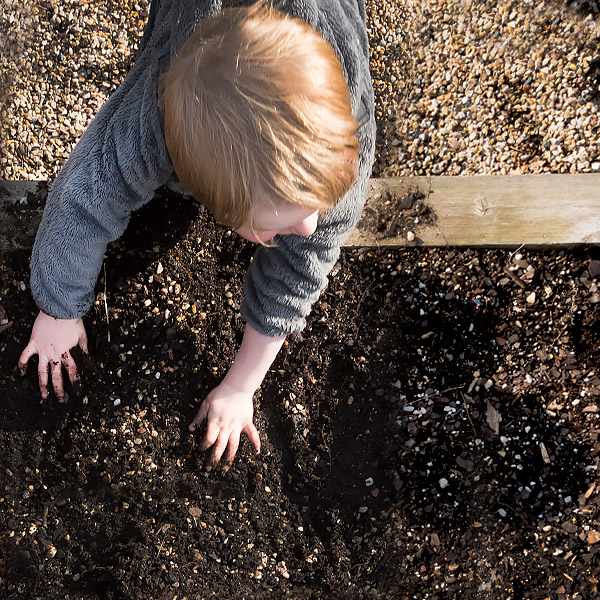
{"x":44,"y":395}
{"x":22,"y":372}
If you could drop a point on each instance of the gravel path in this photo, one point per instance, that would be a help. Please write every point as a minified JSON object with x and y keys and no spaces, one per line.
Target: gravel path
{"x":68,"y":57}
{"x":462,"y":87}
{"x":498,"y":87}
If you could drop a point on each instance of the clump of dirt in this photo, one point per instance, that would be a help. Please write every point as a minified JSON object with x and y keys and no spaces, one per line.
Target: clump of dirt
{"x":395,"y":215}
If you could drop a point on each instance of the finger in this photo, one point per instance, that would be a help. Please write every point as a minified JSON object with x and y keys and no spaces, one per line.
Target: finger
{"x":200,"y":417}
{"x":253,"y":436}
{"x":43,"y":376}
{"x":217,"y":451}
{"x":57,"y":380}
{"x":212,"y":434}
{"x":82,"y":343}
{"x":232,"y":448}
{"x":71,"y":367}
{"x":25,"y":356}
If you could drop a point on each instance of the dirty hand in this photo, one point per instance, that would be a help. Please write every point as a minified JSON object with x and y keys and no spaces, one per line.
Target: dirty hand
{"x":228,"y":413}
{"x":52,"y":339}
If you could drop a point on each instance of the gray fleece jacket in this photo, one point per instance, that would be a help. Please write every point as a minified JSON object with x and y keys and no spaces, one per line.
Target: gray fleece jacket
{"x":121,"y":160}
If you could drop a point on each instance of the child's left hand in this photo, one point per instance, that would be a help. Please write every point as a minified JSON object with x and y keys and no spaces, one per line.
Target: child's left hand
{"x":228,"y":413}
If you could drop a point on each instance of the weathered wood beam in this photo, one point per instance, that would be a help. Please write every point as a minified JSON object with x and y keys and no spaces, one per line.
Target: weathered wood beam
{"x":480,"y":211}
{"x":490,"y":211}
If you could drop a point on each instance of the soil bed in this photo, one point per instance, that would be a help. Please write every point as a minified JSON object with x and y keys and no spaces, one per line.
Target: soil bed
{"x":433,"y":433}
{"x":398,"y":215}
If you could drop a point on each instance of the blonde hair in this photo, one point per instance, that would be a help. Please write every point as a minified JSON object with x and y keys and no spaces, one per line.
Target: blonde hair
{"x":256,"y":101}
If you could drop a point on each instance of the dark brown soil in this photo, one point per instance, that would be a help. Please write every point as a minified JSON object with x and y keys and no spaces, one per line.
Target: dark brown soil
{"x":433,"y":433}
{"x":398,"y":215}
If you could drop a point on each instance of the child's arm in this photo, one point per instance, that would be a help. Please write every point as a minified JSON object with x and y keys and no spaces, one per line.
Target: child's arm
{"x":113,"y":170}
{"x":228,"y":409}
{"x":284,"y":281}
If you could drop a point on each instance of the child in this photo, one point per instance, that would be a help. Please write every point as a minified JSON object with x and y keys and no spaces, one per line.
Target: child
{"x":265,"y":114}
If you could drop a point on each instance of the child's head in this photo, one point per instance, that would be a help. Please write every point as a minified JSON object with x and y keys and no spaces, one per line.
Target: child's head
{"x":257,"y":109}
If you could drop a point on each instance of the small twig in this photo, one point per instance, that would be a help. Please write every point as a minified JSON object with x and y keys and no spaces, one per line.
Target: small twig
{"x":432,"y":395}
{"x":6,"y":326}
{"x":328,"y":450}
{"x":515,"y":251}
{"x":162,"y":530}
{"x":515,"y":511}
{"x":106,"y":306}
{"x":466,"y":403}
{"x":571,"y":313}
{"x":560,"y":334}
{"x":360,"y":301}
{"x":514,"y":277}
{"x":357,"y":566}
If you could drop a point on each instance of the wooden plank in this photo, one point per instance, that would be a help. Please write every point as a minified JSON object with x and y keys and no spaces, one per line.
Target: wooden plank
{"x":491,"y":211}
{"x":480,"y":211}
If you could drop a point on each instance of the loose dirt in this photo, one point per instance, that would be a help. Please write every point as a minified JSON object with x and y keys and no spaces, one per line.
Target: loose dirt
{"x":398,"y":215}
{"x":433,"y":433}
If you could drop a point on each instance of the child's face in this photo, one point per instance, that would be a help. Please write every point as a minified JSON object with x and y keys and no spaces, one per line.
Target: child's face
{"x":282,"y":218}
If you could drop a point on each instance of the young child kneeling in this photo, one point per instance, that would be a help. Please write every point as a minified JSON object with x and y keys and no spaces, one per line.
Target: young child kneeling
{"x":265,"y":115}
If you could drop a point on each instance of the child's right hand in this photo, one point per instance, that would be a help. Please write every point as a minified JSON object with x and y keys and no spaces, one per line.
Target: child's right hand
{"x":52,"y":339}
{"x":228,"y":413}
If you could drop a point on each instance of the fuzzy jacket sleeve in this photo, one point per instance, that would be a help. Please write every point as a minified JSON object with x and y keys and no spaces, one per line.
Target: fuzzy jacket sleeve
{"x":114,"y":169}
{"x":284,"y":281}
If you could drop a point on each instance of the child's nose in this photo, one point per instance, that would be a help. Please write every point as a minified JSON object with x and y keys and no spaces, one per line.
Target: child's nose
{"x":308,"y":225}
